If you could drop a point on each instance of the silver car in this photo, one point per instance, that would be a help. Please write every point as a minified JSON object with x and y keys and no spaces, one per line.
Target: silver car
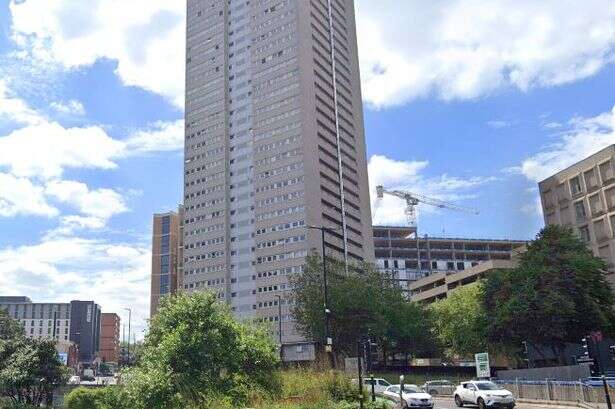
{"x":440,"y":387}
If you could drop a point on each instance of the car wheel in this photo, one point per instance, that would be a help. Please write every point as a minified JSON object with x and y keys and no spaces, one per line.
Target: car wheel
{"x":481,"y":404}
{"x":458,"y":401}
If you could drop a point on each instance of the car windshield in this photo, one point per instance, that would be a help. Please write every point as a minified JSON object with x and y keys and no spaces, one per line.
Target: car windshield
{"x":411,"y":389}
{"x":487,"y":386}
{"x":384,"y":383}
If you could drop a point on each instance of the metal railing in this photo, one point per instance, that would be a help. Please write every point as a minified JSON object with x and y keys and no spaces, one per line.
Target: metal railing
{"x":548,"y":390}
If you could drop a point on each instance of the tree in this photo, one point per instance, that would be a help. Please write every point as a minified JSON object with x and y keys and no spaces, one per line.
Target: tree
{"x":364,"y":302}
{"x":9,"y":328}
{"x":459,"y":323}
{"x":196,"y":351}
{"x":29,"y":370}
{"x":556,"y":295}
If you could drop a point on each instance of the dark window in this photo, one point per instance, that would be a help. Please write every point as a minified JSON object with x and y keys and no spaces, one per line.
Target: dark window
{"x":166,"y":224}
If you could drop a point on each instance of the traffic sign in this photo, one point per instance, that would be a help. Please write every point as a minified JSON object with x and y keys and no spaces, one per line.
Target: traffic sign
{"x":483,"y":369}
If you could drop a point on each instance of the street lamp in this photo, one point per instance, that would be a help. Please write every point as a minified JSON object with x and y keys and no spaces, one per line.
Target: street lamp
{"x":129,"y":322}
{"x":328,"y":340}
{"x":279,"y":297}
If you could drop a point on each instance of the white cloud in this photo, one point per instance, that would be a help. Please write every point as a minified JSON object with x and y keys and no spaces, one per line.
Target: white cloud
{"x":159,"y":137}
{"x":552,"y":125}
{"x":407,"y":176}
{"x":460,"y":49}
{"x":498,"y":124}
{"x":44,"y":150}
{"x":145,"y":37}
{"x":69,"y":268}
{"x":100,"y":203}
{"x":72,"y":107}
{"x":584,"y":137}
{"x":19,"y":196}
{"x":14,"y":109}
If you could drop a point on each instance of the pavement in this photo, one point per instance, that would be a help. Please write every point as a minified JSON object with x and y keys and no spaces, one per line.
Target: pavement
{"x":444,"y":403}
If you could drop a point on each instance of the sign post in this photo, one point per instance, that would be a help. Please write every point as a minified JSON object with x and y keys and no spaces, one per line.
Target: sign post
{"x":483,"y":369}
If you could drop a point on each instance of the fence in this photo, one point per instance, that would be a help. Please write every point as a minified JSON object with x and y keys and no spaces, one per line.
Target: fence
{"x":558,"y":391}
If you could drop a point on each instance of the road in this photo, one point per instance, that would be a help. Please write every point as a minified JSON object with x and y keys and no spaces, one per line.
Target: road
{"x":440,"y":403}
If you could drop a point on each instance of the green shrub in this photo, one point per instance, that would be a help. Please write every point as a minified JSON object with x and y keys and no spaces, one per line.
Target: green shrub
{"x":103,"y":398}
{"x":11,"y":405}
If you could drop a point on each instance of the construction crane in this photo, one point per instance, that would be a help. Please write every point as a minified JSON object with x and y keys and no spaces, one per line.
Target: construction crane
{"x":413,"y":199}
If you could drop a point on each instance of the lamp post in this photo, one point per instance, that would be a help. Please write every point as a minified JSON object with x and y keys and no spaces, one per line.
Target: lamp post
{"x":279,"y":297}
{"x":129,"y":322}
{"x":328,"y":340}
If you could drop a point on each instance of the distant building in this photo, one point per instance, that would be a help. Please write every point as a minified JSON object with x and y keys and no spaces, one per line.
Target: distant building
{"x":167,"y":250}
{"x":110,"y":337}
{"x":439,"y":286}
{"x":408,"y":258}
{"x":77,"y":322}
{"x":582,"y":197}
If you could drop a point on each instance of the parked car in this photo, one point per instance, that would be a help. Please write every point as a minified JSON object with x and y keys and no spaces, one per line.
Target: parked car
{"x":380,"y":384}
{"x":74,"y":380}
{"x":414,"y":396}
{"x":441,"y":387}
{"x":485,"y":394}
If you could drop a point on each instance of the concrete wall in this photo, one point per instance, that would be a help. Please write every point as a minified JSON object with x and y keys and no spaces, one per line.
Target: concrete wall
{"x":560,"y":373}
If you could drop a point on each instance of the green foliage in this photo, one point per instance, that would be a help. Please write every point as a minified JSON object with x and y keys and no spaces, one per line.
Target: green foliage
{"x":459,"y":322}
{"x":29,"y":370}
{"x":558,"y":294}
{"x":14,"y":405}
{"x":9,"y":328}
{"x":364,"y":303}
{"x":96,"y":398}
{"x":196,"y":353}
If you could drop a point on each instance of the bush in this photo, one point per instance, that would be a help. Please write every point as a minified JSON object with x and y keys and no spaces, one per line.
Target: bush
{"x":11,"y":405}
{"x":103,"y":398}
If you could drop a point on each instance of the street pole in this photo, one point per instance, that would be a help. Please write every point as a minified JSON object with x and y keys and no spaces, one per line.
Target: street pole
{"x":279,"y":297}
{"x":129,"y":323}
{"x":361,"y":375}
{"x":328,"y":340}
{"x":606,"y":393}
{"x":373,"y":388}
{"x":401,"y":391}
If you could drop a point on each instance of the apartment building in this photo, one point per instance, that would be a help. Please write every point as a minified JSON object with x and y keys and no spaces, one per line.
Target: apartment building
{"x":167,"y":250}
{"x":110,"y":337}
{"x":583,"y":197}
{"x":77,"y":322}
{"x":410,"y":258}
{"x":274,"y":142}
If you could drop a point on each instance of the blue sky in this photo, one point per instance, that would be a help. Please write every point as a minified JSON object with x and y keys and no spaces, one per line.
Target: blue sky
{"x":91,"y":125}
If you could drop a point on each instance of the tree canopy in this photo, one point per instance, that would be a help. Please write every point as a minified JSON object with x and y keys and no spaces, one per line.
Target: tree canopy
{"x":557,"y":294}
{"x":196,"y":351}
{"x":459,"y":323}
{"x":364,"y":302}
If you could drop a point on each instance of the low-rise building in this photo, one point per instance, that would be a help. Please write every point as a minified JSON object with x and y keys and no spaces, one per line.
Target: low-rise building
{"x":77,"y":322}
{"x":582,"y":197}
{"x":409,"y":258}
{"x":439,"y":286}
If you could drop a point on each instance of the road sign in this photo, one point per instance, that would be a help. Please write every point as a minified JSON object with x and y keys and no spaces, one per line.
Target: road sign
{"x":585,"y":359}
{"x":483,"y":370}
{"x":351,"y":366}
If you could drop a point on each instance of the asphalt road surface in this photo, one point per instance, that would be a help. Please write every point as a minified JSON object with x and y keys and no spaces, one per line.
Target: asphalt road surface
{"x":440,"y":403}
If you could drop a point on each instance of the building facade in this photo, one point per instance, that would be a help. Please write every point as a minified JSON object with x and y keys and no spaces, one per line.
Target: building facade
{"x":77,"y":322}
{"x":439,"y":285}
{"x":167,"y":248}
{"x":109,"y":337}
{"x":274,"y":142}
{"x":582,"y":197}
{"x":408,"y":258}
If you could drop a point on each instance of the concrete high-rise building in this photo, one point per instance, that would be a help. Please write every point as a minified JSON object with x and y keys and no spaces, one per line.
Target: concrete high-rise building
{"x":110,"y":337}
{"x":77,"y":322}
{"x":166,"y":256}
{"x":274,"y":142}
{"x":583,"y":197}
{"x":408,"y":258}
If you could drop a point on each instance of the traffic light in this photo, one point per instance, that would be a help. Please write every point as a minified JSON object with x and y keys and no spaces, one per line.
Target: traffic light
{"x":585,"y":346}
{"x":612,"y":351}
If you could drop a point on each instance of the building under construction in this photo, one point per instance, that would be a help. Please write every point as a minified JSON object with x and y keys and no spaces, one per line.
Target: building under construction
{"x":409,"y":258}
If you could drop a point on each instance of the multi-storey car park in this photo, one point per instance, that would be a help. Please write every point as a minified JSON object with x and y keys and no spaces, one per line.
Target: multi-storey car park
{"x":274,"y":143}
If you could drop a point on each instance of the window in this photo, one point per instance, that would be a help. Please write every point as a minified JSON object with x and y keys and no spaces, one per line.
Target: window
{"x":579,"y":210}
{"x":434,"y":265}
{"x":460,"y":265}
{"x":575,"y":185}
{"x":584,"y":234}
{"x":450,"y":265}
